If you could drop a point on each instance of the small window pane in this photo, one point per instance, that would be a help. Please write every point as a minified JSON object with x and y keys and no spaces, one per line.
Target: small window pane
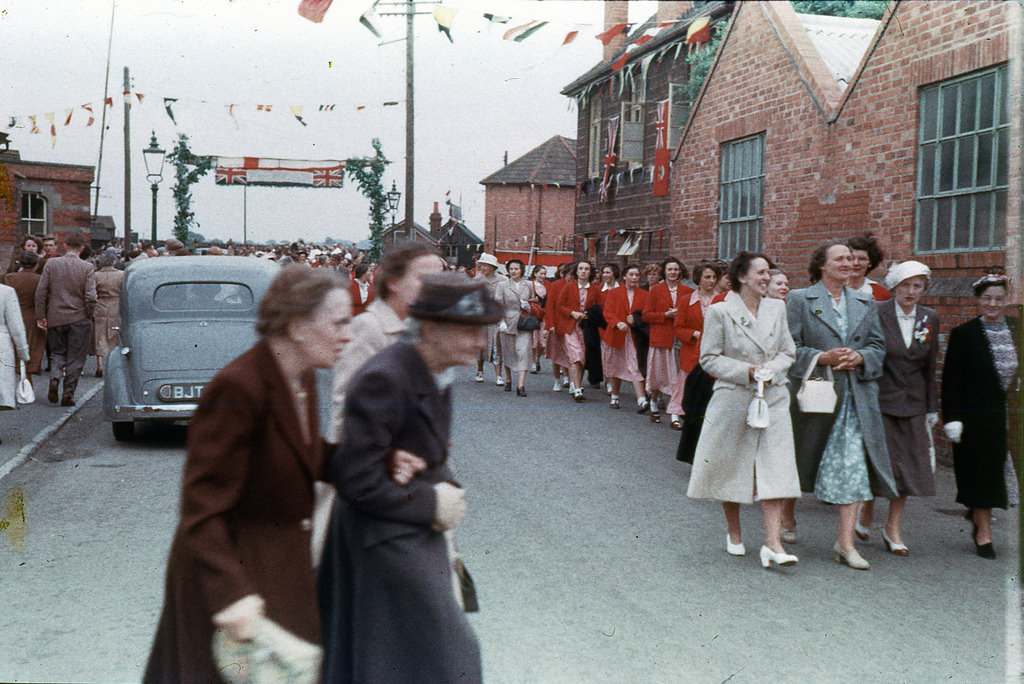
{"x":968,"y":101}
{"x":949,"y":102}
{"x":984,"y":159}
{"x":965,"y":163}
{"x":962,"y":231}
{"x":929,"y":113}
{"x":987,"y":85}
{"x":946,"y":159}
{"x":983,"y":219}
{"x":928,"y":169}
{"x":1002,"y":156}
{"x":999,"y":224}
{"x":1004,"y":101}
{"x":925,"y":227}
{"x":943,"y":222}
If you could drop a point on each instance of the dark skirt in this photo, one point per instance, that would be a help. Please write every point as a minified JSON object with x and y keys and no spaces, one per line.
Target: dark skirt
{"x":909,"y":452}
{"x":696,"y":396}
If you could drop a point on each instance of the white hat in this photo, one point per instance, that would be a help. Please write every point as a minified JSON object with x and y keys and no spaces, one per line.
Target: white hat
{"x":488,"y":259}
{"x":906,"y":269}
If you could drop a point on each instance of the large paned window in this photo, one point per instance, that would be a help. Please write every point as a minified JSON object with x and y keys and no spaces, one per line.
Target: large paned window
{"x":740,"y":200}
{"x":962,"y":163}
{"x":594,"y":148}
{"x":631,"y":137}
{"x":33,"y":213}
{"x":678,"y":111}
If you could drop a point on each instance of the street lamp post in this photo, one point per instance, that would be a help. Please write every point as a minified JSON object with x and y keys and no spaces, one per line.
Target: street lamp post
{"x":154,"y":158}
{"x":393,"y":195}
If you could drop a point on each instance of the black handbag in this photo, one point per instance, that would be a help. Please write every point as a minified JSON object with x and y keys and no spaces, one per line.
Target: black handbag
{"x":468,"y":587}
{"x":528,"y":323}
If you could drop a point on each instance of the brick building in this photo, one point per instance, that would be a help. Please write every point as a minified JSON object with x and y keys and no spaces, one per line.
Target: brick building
{"x":456,"y":242}
{"x":529,"y":205}
{"x":640,"y":85}
{"x":779,"y":152}
{"x":40,"y":198}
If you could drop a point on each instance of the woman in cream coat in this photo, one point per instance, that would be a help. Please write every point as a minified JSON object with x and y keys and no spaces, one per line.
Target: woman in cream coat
{"x":13,"y":346}
{"x":744,"y":336}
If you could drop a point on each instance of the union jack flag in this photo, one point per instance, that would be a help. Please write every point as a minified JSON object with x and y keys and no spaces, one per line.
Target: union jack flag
{"x":227,"y":175}
{"x":659,"y":185}
{"x":609,"y":162}
{"x":328,"y":177}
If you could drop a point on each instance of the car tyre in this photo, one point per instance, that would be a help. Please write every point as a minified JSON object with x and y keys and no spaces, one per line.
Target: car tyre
{"x":124,"y":431}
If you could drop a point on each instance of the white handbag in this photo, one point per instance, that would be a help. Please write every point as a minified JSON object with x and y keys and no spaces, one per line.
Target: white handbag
{"x":817,"y":395}
{"x":757,"y":412}
{"x":25,"y":393}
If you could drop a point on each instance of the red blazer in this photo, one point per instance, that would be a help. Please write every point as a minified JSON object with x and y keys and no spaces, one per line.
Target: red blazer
{"x":880,"y":293}
{"x":358,"y":306}
{"x":551,"y":305}
{"x":689,"y":321}
{"x":658,"y":302}
{"x":616,"y":308}
{"x":569,"y":301}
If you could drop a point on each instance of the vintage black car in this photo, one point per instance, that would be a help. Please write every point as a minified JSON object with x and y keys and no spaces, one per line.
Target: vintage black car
{"x":182,"y":320}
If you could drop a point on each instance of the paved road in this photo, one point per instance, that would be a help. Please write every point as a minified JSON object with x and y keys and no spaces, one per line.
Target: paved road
{"x":591,"y":563}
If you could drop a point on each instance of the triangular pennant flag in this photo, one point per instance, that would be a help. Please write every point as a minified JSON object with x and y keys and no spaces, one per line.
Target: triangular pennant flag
{"x":497,"y":18}
{"x":109,"y":102}
{"x":607,"y":36}
{"x":35,"y":128}
{"x":699,"y":31}
{"x":126,"y":95}
{"x":314,"y":10}
{"x":139,"y":96}
{"x":570,"y":36}
{"x":263,"y":108}
{"x":521,"y":33}
{"x":297,"y":113}
{"x":168,"y":101}
{"x":53,"y":128}
{"x":370,"y":20}
{"x":327,"y":108}
{"x":88,"y":108}
{"x":444,"y":16}
{"x":67,"y":116}
{"x":231,"y":113}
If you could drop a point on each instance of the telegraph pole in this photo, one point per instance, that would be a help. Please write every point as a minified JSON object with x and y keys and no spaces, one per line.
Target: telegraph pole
{"x":127,"y":165}
{"x":410,"y":117}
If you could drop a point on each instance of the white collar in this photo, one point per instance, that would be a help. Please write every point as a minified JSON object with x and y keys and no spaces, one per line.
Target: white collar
{"x":899,"y":312}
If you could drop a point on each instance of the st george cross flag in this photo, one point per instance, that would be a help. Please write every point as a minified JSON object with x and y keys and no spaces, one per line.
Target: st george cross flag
{"x":279,"y":172}
{"x":609,"y":161}
{"x":661,"y":153}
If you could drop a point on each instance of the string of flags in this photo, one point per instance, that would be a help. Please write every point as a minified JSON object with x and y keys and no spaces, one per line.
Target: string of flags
{"x":87,"y":114}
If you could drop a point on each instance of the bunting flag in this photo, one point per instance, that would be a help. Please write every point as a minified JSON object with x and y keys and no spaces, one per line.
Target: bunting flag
{"x":297,"y":113}
{"x":53,"y":128}
{"x":314,"y":10}
{"x":370,"y":20}
{"x":611,"y":33}
{"x":521,"y":33}
{"x":35,"y":128}
{"x":231,"y":113}
{"x":659,"y":185}
{"x":699,"y":31}
{"x":444,"y":16}
{"x":279,"y":172}
{"x":67,"y":116}
{"x":497,"y":19}
{"x":168,"y":101}
{"x":88,"y":108}
{"x":570,"y":36}
{"x":264,"y":108}
{"x":327,"y":108}
{"x":609,"y":162}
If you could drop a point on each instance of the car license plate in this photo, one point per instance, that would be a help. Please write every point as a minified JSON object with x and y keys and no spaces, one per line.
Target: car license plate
{"x":183,"y":391}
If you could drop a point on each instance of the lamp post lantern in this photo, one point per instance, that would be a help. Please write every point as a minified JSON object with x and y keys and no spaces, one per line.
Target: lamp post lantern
{"x":154,"y":158}
{"x":394,"y":196}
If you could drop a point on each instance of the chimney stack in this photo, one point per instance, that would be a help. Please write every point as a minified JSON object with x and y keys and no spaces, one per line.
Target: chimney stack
{"x":671,"y":10}
{"x":435,"y":223}
{"x":615,"y":12}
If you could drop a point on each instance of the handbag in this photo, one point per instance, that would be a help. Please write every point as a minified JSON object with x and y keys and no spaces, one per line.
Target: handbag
{"x":272,"y":655}
{"x":757,"y":412}
{"x":532,"y":320}
{"x":25,"y":393}
{"x":817,"y":395}
{"x":462,"y":582}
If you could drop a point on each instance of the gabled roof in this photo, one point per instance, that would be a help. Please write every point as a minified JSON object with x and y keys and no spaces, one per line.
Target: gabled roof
{"x":841,"y":41}
{"x":550,"y":163}
{"x":417,"y":228}
{"x":452,"y":225}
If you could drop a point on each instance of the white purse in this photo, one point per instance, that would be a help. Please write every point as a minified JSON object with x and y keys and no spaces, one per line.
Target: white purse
{"x":757,"y":412}
{"x":25,"y":393}
{"x":817,"y":395}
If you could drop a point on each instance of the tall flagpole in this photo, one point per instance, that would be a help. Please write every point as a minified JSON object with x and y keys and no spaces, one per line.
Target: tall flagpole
{"x":410,"y":110}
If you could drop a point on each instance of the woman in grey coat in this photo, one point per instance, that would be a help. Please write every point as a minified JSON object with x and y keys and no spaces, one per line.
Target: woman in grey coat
{"x":514,"y":295}
{"x":746,"y":340}
{"x":842,"y":456}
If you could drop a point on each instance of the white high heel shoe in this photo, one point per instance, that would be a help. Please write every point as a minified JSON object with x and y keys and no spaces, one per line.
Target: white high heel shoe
{"x":768,"y":557}
{"x":734,"y":549}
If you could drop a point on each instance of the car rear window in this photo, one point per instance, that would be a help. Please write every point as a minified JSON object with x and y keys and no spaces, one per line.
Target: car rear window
{"x":203,"y":297}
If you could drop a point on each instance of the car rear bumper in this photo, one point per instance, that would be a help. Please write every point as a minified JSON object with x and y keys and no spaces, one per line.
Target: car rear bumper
{"x":167,"y":412}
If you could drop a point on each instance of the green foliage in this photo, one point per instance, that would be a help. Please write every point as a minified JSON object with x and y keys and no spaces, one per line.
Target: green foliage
{"x":367,"y":173}
{"x":700,"y":62}
{"x":188,"y":169}
{"x":855,"y":9}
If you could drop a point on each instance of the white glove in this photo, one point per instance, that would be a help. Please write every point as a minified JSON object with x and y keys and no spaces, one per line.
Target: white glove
{"x":931,"y":420}
{"x":450,"y":508}
{"x":954,"y":431}
{"x":240,"y":618}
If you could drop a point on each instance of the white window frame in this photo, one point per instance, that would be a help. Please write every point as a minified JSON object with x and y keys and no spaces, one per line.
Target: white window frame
{"x":631,"y":134}
{"x":594,"y":157}
{"x":33,"y":224}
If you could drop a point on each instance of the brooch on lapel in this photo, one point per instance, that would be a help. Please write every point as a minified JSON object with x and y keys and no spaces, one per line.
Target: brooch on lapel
{"x":744,"y":322}
{"x":922,"y":332}
{"x":817,"y":312}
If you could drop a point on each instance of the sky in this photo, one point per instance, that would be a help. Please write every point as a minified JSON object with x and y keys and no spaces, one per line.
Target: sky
{"x":476,"y":98}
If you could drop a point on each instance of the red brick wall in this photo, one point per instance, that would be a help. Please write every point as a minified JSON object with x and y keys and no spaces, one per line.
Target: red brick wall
{"x":512,"y":211}
{"x":848,"y":166}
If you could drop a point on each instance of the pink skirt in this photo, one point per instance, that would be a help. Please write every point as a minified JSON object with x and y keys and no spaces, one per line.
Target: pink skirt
{"x":556,"y":350}
{"x":540,"y":338}
{"x":661,"y":370}
{"x":675,"y":403}
{"x":572,"y":345}
{"x":622,"y":363}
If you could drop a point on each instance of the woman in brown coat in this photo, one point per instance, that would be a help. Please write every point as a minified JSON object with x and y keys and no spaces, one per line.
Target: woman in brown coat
{"x":108,"y":302}
{"x":24,"y":281}
{"x":242,"y":547}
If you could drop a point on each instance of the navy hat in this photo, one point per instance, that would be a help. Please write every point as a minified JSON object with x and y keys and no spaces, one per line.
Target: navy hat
{"x":450,"y":297}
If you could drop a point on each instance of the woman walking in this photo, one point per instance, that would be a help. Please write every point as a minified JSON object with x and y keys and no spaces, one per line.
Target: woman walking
{"x":688,"y":327}
{"x":515,"y":296}
{"x":622,"y":309}
{"x":574,"y":300}
{"x":24,"y":281}
{"x":553,"y":321}
{"x":747,"y":348}
{"x":13,"y":346}
{"x":538,"y":281}
{"x":907,"y":396}
{"x":842,"y":455}
{"x":108,"y":302}
{"x":663,"y":304}
{"x":242,"y":547}
{"x":981,"y":380}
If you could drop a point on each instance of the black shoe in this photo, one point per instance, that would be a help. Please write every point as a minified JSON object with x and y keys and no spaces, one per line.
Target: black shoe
{"x":67,"y":400}
{"x":508,"y":386}
{"x":520,"y":391}
{"x":54,"y":394}
{"x":985,"y":550}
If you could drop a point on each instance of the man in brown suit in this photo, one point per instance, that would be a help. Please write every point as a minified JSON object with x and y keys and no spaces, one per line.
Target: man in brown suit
{"x":65,"y":299}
